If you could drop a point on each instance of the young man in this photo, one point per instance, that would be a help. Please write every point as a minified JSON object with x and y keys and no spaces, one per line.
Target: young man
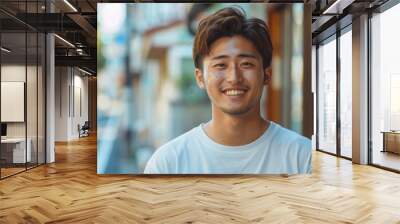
{"x":232,"y":56}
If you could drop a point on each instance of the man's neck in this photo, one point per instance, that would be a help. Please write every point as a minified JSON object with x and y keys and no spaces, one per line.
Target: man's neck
{"x":235,"y":130}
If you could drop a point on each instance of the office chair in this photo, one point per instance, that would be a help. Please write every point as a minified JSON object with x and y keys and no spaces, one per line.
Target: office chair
{"x":84,"y":130}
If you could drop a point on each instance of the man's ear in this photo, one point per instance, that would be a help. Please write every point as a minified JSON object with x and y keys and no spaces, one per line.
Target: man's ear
{"x":267,"y":75}
{"x":200,"y":78}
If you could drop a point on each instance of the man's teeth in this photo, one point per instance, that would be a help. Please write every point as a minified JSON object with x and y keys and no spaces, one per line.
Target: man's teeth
{"x":234,"y":92}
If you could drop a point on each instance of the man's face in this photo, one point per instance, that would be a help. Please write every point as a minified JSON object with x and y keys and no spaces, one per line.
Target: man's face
{"x":233,"y":75}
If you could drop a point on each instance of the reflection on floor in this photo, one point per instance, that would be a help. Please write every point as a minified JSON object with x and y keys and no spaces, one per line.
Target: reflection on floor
{"x":70,"y":191}
{"x":346,"y":151}
{"x":387,"y":159}
{"x":10,"y":169}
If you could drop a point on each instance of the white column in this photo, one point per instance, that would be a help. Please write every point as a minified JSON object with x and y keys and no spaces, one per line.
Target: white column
{"x":360,"y":90}
{"x":50,"y":100}
{"x":50,"y":92}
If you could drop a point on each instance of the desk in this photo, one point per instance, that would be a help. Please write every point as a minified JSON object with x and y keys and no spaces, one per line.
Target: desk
{"x":16,"y":148}
{"x":391,"y":141}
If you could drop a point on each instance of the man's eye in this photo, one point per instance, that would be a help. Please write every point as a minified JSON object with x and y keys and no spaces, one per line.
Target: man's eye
{"x":219,"y":66}
{"x":247,"y":64}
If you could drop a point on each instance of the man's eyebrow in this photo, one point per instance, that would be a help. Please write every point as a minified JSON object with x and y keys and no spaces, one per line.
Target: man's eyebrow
{"x":241,"y":55}
{"x":219,"y":57}
{"x":247,"y":55}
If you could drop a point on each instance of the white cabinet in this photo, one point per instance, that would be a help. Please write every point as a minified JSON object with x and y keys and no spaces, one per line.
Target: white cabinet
{"x":18,"y":149}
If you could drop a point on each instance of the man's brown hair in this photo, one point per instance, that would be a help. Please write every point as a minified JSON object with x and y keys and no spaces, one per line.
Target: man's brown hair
{"x":229,"y":22}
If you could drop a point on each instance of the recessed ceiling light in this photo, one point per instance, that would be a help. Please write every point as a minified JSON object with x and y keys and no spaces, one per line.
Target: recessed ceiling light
{"x":70,"y":5}
{"x":5,"y":50}
{"x":64,"y":40}
{"x":337,"y":7}
{"x":84,"y":71}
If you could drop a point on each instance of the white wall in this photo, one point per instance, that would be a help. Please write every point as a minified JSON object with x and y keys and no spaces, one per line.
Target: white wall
{"x":71,"y":94}
{"x":62,"y":81}
{"x":33,"y":126}
{"x":80,"y":89}
{"x":13,"y":73}
{"x":12,"y":101}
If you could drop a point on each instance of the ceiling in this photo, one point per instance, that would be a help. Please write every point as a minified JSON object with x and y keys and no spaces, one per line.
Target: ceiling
{"x":76,"y":22}
{"x":332,"y":15}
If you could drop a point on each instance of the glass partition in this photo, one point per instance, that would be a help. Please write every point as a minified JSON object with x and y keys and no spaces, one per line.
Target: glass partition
{"x":31,"y":99}
{"x":41,"y":109}
{"x":22,"y":87}
{"x":326,"y":96}
{"x":346,"y":94}
{"x":13,"y":105}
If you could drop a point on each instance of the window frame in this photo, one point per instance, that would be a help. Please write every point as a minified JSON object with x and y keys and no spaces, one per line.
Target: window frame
{"x":347,"y":27}
{"x":378,"y":10}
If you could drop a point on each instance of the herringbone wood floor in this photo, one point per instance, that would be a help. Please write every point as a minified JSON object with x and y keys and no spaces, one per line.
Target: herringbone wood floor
{"x":70,"y":191}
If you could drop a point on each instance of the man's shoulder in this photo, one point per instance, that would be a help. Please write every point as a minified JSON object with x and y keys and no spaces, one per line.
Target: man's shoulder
{"x":293,"y":139}
{"x":296,"y":148}
{"x":179,"y":143}
{"x":181,"y":140}
{"x":166,"y":158}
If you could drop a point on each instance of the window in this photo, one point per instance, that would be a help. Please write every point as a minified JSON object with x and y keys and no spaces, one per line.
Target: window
{"x":346,"y":94}
{"x":334,"y":106}
{"x":385,"y":88}
{"x":326,"y":96}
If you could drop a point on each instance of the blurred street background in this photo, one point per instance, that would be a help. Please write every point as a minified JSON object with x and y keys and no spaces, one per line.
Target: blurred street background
{"x":147,"y":94}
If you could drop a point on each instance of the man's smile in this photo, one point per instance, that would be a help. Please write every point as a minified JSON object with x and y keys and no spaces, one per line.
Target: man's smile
{"x":234,"y":92}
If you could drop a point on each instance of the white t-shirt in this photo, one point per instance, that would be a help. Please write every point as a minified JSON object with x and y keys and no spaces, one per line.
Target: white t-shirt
{"x":277,"y":151}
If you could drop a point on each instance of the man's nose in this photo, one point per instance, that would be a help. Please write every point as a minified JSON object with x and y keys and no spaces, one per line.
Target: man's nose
{"x":234,"y":74}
